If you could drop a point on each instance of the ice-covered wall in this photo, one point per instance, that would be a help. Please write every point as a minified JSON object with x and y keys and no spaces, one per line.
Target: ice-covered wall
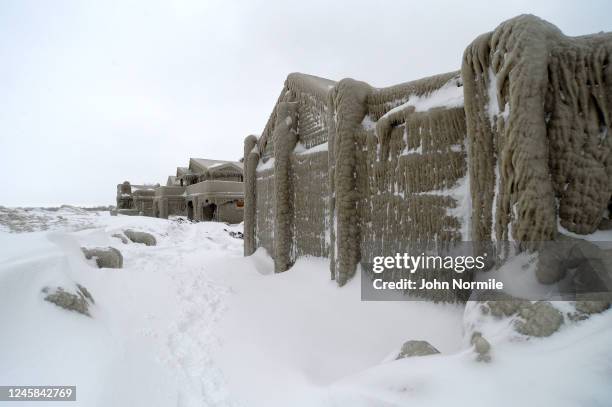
{"x":264,"y":205}
{"x":286,"y":175}
{"x":169,"y":200}
{"x":356,"y":171}
{"x":310,"y":196}
{"x":538,"y":113}
{"x":349,"y":171}
{"x":412,"y":169}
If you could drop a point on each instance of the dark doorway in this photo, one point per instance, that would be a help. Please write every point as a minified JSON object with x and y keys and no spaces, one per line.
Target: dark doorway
{"x":190,"y":210}
{"x":208,"y":212}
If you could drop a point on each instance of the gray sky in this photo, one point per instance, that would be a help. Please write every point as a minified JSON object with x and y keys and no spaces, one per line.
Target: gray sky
{"x":96,"y":92}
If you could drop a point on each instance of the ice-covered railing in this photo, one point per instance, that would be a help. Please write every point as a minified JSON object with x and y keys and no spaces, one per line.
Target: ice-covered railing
{"x":135,"y":187}
{"x":216,"y":188}
{"x":538,"y":110}
{"x":311,"y":92}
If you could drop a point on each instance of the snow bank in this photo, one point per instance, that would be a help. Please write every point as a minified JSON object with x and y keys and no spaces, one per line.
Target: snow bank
{"x":123,"y":355}
{"x":287,"y":337}
{"x":571,"y":368}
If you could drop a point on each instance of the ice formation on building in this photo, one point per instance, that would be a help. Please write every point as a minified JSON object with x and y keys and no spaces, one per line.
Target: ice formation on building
{"x":348,"y":171}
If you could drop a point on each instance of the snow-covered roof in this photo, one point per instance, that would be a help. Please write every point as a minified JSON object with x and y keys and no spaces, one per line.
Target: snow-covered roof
{"x":205,"y":164}
{"x":180,"y":171}
{"x":311,"y":83}
{"x":172,"y":180}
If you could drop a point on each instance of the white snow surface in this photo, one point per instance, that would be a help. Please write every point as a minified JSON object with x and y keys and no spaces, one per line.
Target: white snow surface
{"x":191,"y":322}
{"x":261,"y":166}
{"x":449,"y":95}
{"x":300,"y":149}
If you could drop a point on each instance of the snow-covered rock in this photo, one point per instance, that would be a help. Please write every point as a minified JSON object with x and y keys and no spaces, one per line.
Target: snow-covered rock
{"x":79,"y":301}
{"x":416,"y":348}
{"x":539,"y":319}
{"x":592,"y":306}
{"x":105,"y":257}
{"x":531,"y":318}
{"x":140,"y":237}
{"x":482,"y":347}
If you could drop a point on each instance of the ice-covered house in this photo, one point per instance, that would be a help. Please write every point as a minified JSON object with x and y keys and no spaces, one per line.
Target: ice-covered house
{"x":513,"y":146}
{"x":169,"y":199}
{"x":214,"y":190}
{"x":206,"y":190}
{"x":172,"y":181}
{"x":135,"y":199}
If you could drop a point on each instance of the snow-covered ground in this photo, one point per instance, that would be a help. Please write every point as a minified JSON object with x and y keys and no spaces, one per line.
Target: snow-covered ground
{"x":191,"y":322}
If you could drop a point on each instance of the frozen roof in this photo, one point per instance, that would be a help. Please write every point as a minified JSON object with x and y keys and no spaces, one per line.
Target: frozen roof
{"x":205,"y":164}
{"x":311,"y":83}
{"x":172,"y":180}
{"x":180,"y":171}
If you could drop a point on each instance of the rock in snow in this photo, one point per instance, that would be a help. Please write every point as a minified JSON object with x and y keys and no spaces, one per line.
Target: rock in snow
{"x":482,"y":347}
{"x":78,"y":302}
{"x":592,"y":307}
{"x":503,"y":305}
{"x":539,"y":319}
{"x":416,"y":348}
{"x":140,"y":237}
{"x":106,"y":257}
{"x":534,"y":318}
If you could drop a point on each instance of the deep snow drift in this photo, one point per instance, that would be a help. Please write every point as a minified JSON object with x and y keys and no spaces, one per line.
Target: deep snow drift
{"x":190,"y":322}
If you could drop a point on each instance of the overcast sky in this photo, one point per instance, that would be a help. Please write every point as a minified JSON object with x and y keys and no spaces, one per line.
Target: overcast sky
{"x":96,"y":92}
